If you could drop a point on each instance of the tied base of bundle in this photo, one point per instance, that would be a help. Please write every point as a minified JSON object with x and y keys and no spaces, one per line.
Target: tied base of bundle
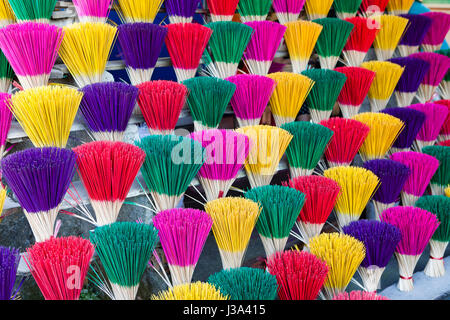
{"x":328,"y":62}
{"x":344,"y":219}
{"x":334,"y":164}
{"x":308,"y":231}
{"x":437,"y":189}
{"x":406,"y":265}
{"x":285,"y":17}
{"x":345,"y":15}
{"x":430,"y":47}
{"x":108,"y":135}
{"x":181,"y":274}
{"x":6,"y":22}
{"x":200,"y":126}
{"x":231,"y":260}
{"x":251,"y":18}
{"x":160,"y":131}
{"x":353,"y":58}
{"x":259,"y":179}
{"x":384,"y":54}
{"x":179,"y":19}
{"x":92,"y":19}
{"x":106,"y":212}
{"x":371,"y":277}
{"x":349,"y":111}
{"x":376,"y":105}
{"x":393,"y":150}
{"x":42,"y":223}
{"x":29,"y":81}
{"x":124,"y":292}
{"x":165,"y":202}
{"x":138,"y":76}
{"x":273,"y":245}
{"x":380,"y":207}
{"x":425,"y":92}
{"x":300,"y":172}
{"x":444,"y":137}
{"x":299,"y":64}
{"x":328,"y":293}
{"x":435,"y":267}
{"x":222,"y":70}
{"x":444,"y":89}
{"x":214,"y":188}
{"x":83,"y":80}
{"x":418,"y":145}
{"x":280,"y":120}
{"x":405,"y":50}
{"x":183,"y":74}
{"x":219,"y":17}
{"x":5,"y":84}
{"x":258,"y":67}
{"x":404,"y":99}
{"x":319,"y":115}
{"x":409,"y":200}
{"x":248,"y":122}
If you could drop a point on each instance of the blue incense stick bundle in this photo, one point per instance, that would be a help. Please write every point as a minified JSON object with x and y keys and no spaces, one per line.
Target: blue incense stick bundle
{"x":107,"y":108}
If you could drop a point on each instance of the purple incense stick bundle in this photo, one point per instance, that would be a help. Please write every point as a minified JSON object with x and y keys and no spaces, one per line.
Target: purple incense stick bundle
{"x":414,"y":34}
{"x":107,"y":108}
{"x":422,"y":167}
{"x":31,"y":48}
{"x":181,"y":11}
{"x":9,"y":262}
{"x":435,"y":114}
{"x":263,"y":45}
{"x":413,"y":75}
{"x":251,"y":97}
{"x":5,"y":121}
{"x":437,"y":32}
{"x":183,"y":233}
{"x":226,"y":152}
{"x":393,"y":176}
{"x":380,"y":240}
{"x":40,"y":178}
{"x":413,"y":120}
{"x":417,"y":227}
{"x":141,"y":45}
{"x":439,"y":65}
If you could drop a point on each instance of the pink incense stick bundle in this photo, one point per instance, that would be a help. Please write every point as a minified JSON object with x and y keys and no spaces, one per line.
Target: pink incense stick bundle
{"x":288,"y":10}
{"x":183,"y":233}
{"x":226,"y":152}
{"x":355,"y":89}
{"x":31,"y":48}
{"x":5,"y":121}
{"x":439,"y":65}
{"x":59,"y":266}
{"x":263,"y":45}
{"x":436,"y":115}
{"x":92,"y":10}
{"x":423,"y":167}
{"x":445,"y":130}
{"x":436,"y":34}
{"x":186,"y":43}
{"x":359,"y":295}
{"x":251,"y":97}
{"x":417,"y":227}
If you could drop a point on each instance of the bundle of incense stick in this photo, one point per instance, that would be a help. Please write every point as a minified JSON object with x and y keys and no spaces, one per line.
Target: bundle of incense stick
{"x":222,"y":10}
{"x":359,"y":295}
{"x":251,"y":97}
{"x":358,"y":185}
{"x":124,"y":248}
{"x":29,"y":10}
{"x":192,"y":291}
{"x":107,"y":108}
{"x":307,"y":146}
{"x":59,"y":266}
{"x":186,"y":43}
{"x":413,"y":75}
{"x":321,"y":194}
{"x":373,"y":7}
{"x":444,"y":86}
{"x":183,"y":233}
{"x":6,"y":74}
{"x":301,"y":37}
{"x":346,"y":8}
{"x":440,"y":206}
{"x":391,"y":31}
{"x":280,"y":208}
{"x":6,"y":14}
{"x":360,"y":40}
{"x":245,"y":284}
{"x":254,"y":10}
{"x":227,"y":44}
{"x":332,"y":40}
{"x":445,"y":131}
{"x":131,"y":11}
{"x":289,"y":95}
{"x":233,"y":223}
{"x":171,"y":163}
{"x":141,"y":45}
{"x":355,"y":89}
{"x":181,"y":11}
{"x":413,"y":120}
{"x":348,"y":137}
{"x":9,"y":263}
{"x":343,"y":254}
{"x":226,"y":154}
{"x":287,"y":10}
{"x":384,"y":130}
{"x":380,"y":240}
{"x":439,"y":65}
{"x":31,"y":48}
{"x":107,"y":170}
{"x":436,"y":114}
{"x":417,"y":227}
{"x":398,"y":7}
{"x":5,"y":121}
{"x":264,"y":43}
{"x":161,"y":103}
{"x":268,"y":146}
{"x":437,"y":32}
{"x":386,"y":79}
{"x":46,"y":113}
{"x":92,"y":10}
{"x":323,"y":96}
{"x":300,"y":275}
{"x":414,"y":34}
{"x":441,"y":178}
{"x":85,"y":49}
{"x":422,"y":167}
{"x":393,"y":176}
{"x":207,"y":100}
{"x":317,"y":9}
{"x":40,"y":178}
